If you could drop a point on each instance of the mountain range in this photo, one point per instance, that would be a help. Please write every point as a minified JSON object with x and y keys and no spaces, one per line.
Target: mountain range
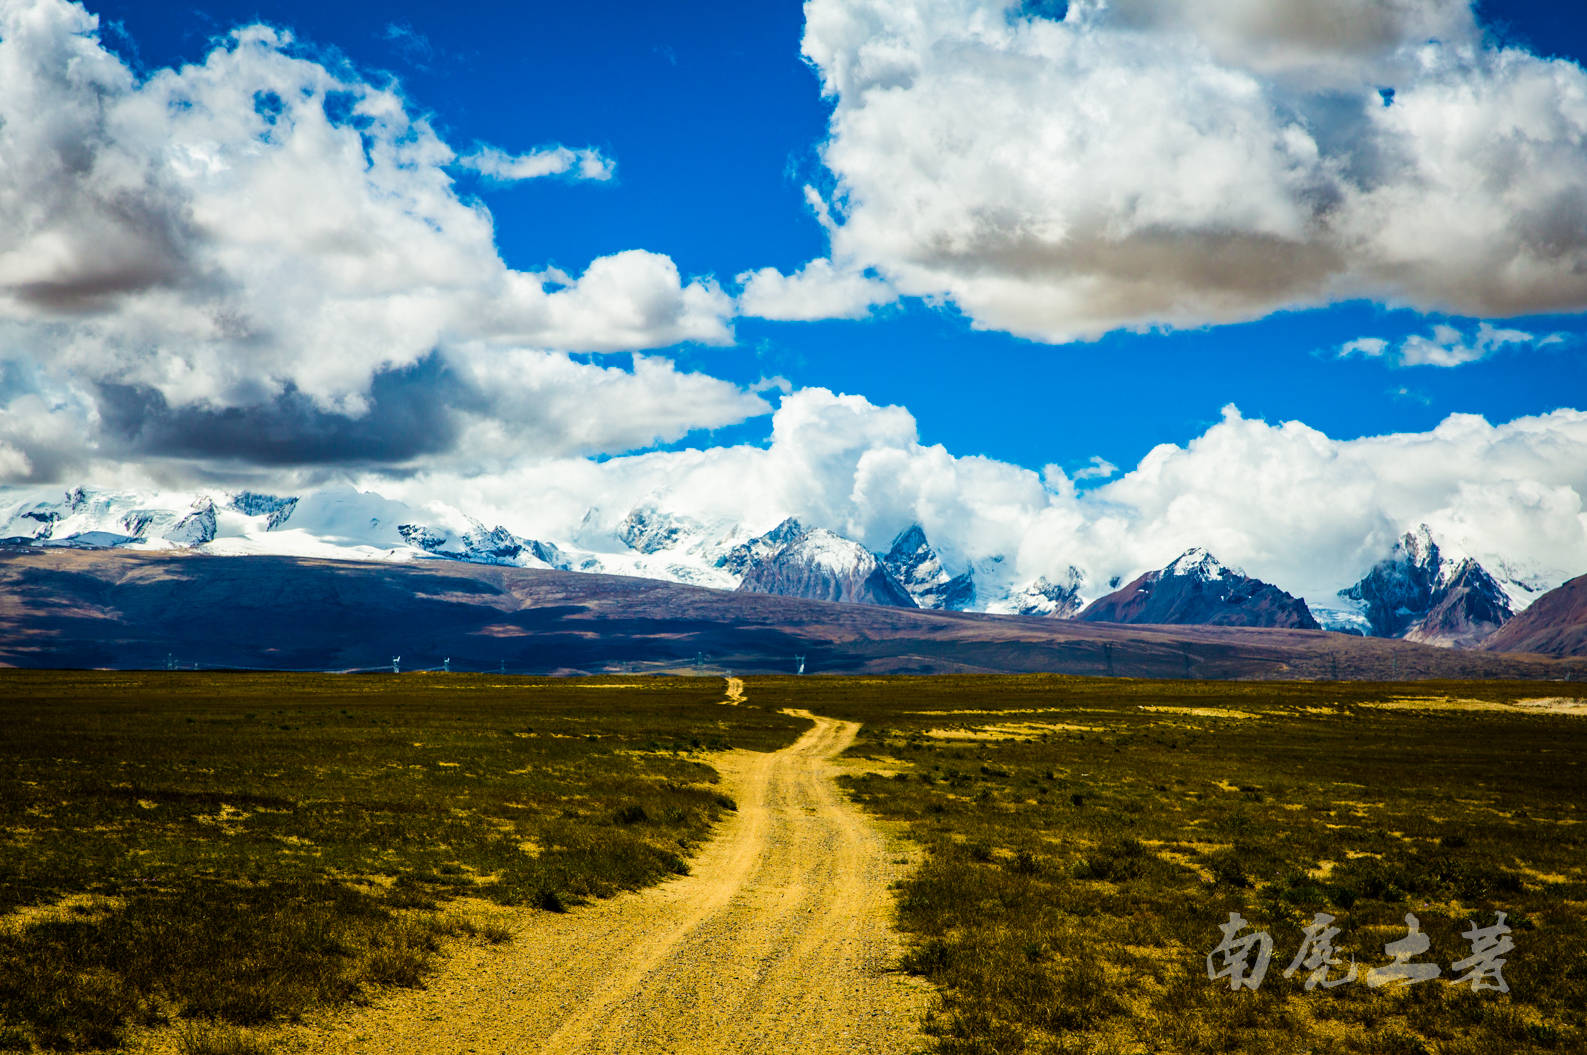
{"x":119,"y":608}
{"x":1421,"y":590}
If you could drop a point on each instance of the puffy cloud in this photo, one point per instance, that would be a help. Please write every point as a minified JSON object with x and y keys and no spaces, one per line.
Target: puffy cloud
{"x":269,"y":238}
{"x":819,"y":290}
{"x":536,"y":404}
{"x":1139,"y":163}
{"x":1446,"y":346}
{"x":502,"y":167}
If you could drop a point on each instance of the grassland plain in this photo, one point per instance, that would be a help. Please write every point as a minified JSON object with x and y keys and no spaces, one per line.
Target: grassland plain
{"x":1085,"y":840}
{"x":222,"y":851}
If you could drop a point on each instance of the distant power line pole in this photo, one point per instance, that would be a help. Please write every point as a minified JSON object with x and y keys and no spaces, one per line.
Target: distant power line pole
{"x":396,"y":664}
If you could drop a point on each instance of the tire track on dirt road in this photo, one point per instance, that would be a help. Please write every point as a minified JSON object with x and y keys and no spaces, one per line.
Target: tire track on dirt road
{"x":778,"y":941}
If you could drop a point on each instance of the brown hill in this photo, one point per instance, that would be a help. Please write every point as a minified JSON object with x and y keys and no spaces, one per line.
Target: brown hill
{"x":106,"y":608}
{"x":1554,"y":625}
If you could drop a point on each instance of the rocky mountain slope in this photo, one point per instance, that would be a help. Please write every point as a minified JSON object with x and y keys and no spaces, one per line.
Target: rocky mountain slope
{"x":1553,"y":625}
{"x":1198,"y":589}
{"x":1423,"y":593}
{"x":67,"y":607}
{"x":914,"y":564}
{"x":1044,"y":597}
{"x":819,"y":565}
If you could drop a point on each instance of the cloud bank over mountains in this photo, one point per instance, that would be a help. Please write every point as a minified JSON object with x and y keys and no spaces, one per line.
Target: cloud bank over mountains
{"x":1290,"y":504}
{"x":1061,"y":171}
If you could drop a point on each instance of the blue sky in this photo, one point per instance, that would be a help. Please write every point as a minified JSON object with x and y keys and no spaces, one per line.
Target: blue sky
{"x":714,"y":121}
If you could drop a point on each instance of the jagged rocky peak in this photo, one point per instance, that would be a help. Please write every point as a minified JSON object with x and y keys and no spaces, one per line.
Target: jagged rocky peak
{"x":1419,"y":591}
{"x":818,"y":565}
{"x":1045,"y":597}
{"x":649,"y":530}
{"x":1197,"y":589}
{"x":421,"y":537}
{"x":482,"y":545}
{"x":913,"y":562}
{"x":137,"y":522}
{"x":1398,"y":591}
{"x":491,"y":545}
{"x":276,"y":511}
{"x":1197,"y":563}
{"x":1466,"y":609}
{"x":197,"y":527}
{"x":745,"y":555}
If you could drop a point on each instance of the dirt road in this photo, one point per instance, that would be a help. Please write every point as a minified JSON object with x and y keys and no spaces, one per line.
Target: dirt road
{"x":777,"y":942}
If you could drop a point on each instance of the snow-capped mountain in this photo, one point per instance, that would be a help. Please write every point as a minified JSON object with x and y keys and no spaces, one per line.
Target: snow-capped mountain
{"x":913,"y":562}
{"x":1467,"y":609}
{"x":1423,"y":590}
{"x":276,"y":511}
{"x":648,"y":530}
{"x":481,"y":545}
{"x":1044,"y":597}
{"x":744,"y":556}
{"x":1197,"y":588}
{"x":1426,"y":593}
{"x":820,"y":565}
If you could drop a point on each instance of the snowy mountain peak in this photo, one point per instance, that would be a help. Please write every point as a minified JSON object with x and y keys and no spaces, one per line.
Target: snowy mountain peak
{"x":1419,"y":548}
{"x":909,"y":542}
{"x":832,"y":552}
{"x":198,"y":527}
{"x":915,"y":564}
{"x":820,"y":565}
{"x":746,"y":555}
{"x":648,"y":530}
{"x":1197,"y":563}
{"x":1045,"y":597}
{"x":1197,"y":589}
{"x":1426,"y":592}
{"x":276,"y":511}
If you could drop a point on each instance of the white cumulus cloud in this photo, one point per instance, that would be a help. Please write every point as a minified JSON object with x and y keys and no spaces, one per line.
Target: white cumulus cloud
{"x":819,"y":290}
{"x":1140,"y":163}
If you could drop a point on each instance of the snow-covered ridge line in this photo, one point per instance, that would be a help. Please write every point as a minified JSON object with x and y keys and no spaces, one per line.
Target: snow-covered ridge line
{"x":790,"y":558}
